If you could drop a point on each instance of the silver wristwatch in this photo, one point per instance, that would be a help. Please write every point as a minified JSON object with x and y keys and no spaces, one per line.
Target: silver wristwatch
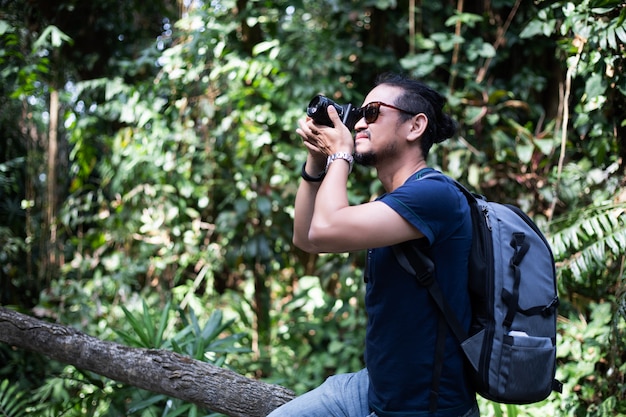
{"x":340,"y":155}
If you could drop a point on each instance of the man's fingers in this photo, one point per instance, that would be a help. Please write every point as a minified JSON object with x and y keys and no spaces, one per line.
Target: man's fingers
{"x":334,"y":116}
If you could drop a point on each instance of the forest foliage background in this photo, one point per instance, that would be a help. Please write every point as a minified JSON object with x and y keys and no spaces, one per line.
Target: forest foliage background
{"x":148,"y":168}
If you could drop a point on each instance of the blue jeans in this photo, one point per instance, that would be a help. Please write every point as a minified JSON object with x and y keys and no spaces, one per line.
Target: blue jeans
{"x":342,"y":395}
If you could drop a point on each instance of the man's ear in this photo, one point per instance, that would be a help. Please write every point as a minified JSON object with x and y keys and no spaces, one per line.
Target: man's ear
{"x":419,"y":124}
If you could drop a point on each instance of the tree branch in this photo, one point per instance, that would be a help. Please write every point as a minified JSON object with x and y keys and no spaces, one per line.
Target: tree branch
{"x":155,"y":370}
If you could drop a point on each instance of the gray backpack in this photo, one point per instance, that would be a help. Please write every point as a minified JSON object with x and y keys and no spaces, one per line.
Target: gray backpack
{"x":511,"y":344}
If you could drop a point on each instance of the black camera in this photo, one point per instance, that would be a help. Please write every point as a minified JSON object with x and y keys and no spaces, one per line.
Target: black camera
{"x":318,"y":111}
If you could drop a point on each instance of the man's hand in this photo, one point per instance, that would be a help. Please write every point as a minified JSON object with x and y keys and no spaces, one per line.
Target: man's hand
{"x":322,"y":141}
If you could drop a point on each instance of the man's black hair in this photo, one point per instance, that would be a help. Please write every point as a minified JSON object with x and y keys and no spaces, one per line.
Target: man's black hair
{"x":420,"y":98}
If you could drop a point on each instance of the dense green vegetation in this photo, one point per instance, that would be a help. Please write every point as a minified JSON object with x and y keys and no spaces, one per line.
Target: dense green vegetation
{"x":148,"y":167}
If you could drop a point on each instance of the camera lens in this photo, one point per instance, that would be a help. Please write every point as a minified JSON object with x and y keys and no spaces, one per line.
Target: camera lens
{"x":317,"y":110}
{"x":316,"y":104}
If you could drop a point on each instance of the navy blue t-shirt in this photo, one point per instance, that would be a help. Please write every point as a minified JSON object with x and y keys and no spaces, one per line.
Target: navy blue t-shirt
{"x":402,"y":320}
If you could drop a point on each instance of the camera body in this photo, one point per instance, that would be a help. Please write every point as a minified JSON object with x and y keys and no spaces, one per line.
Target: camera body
{"x":318,"y":111}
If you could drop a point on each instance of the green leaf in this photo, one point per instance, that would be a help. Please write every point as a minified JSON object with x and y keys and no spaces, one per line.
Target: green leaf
{"x":11,"y":402}
{"x":57,"y":37}
{"x":139,"y":328}
{"x":595,"y":86}
{"x":487,"y":50}
{"x":213,"y":326}
{"x":497,"y":409}
{"x":148,"y":323}
{"x":511,"y":410}
{"x":610,"y":4}
{"x":143,"y":404}
{"x":620,"y":32}
{"x":538,"y":27}
{"x":469,"y":19}
{"x":546,"y":146}
{"x":184,"y":409}
{"x":610,"y":33}
{"x":524,"y":152}
{"x":259,"y":48}
{"x":5,"y":27}
{"x":163,"y":324}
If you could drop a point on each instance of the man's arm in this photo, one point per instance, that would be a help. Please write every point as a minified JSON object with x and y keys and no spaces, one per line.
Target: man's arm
{"x":324,"y":220}
{"x":305,"y":204}
{"x":337,"y":227}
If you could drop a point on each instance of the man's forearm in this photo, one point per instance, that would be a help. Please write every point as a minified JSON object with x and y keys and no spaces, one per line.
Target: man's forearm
{"x":305,"y":206}
{"x":331,"y":197}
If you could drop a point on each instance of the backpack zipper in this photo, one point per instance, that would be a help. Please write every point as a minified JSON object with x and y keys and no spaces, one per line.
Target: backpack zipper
{"x":487,"y":219}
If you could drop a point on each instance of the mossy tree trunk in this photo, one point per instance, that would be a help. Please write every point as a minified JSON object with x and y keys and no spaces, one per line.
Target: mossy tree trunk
{"x":155,"y":370}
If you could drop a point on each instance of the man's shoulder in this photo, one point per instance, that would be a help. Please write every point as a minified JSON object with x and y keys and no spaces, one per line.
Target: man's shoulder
{"x":431,"y":182}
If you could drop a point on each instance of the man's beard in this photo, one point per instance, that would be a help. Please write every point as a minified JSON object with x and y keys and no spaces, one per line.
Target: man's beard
{"x":367,"y":159}
{"x":371,"y":159}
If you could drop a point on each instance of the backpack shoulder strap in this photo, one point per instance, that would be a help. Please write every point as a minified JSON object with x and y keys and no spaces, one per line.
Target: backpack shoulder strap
{"x":419,"y":265}
{"x":416,"y":263}
{"x":470,"y":196}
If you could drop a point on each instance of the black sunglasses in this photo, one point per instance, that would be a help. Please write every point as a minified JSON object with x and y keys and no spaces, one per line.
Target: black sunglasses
{"x":371,"y":110}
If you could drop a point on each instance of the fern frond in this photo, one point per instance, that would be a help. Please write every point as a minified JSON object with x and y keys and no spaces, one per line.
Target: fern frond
{"x":588,"y":238}
{"x":12,"y":400}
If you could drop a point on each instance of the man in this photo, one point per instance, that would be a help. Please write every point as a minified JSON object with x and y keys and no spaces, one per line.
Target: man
{"x":401,"y":119}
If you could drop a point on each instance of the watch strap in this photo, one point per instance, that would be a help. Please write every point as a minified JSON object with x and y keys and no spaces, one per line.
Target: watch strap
{"x":340,"y":155}
{"x":311,"y":178}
